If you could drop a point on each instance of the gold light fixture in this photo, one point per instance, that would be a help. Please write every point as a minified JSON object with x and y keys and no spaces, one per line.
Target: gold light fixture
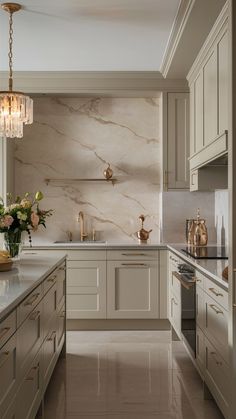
{"x":16,"y":108}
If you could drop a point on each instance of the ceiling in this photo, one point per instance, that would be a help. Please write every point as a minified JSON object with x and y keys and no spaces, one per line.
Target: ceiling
{"x":89,"y":35}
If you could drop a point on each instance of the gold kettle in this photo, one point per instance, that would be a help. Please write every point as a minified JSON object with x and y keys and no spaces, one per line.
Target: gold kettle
{"x":142,"y":234}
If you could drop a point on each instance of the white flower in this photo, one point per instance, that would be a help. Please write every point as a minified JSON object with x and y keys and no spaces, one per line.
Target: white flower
{"x":21,"y":216}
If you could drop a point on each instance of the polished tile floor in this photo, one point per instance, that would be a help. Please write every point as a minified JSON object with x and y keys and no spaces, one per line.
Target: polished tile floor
{"x":126,"y":375}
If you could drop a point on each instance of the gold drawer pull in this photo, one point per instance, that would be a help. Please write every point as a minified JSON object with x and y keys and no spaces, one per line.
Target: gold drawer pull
{"x":4,"y":331}
{"x":35,"y":315}
{"x":31,"y":301}
{"x":52,"y":337}
{"x":5,"y":356}
{"x":218,"y":294}
{"x":216,"y":310}
{"x":216,"y":361}
{"x":134,"y":254}
{"x":32,"y":373}
{"x":52,"y":278}
{"x":134,"y":264}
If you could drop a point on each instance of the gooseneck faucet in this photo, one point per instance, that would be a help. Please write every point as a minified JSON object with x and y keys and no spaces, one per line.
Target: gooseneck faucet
{"x":83,"y":235}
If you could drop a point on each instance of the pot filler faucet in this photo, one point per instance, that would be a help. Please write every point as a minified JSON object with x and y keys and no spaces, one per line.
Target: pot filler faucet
{"x":83,"y":235}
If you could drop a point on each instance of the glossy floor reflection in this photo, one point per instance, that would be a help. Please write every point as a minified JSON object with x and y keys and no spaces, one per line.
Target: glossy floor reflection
{"x":126,"y":375}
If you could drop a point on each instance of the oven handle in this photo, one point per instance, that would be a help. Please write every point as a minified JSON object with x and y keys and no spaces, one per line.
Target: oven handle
{"x":184,"y":283}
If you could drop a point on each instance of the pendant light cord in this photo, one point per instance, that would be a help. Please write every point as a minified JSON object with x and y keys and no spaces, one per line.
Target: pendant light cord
{"x":10,"y":51}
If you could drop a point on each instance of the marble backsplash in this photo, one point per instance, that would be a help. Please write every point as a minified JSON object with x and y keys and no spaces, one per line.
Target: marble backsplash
{"x":76,"y":138}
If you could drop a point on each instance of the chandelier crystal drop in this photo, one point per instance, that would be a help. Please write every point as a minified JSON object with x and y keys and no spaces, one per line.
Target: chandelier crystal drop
{"x":16,"y":108}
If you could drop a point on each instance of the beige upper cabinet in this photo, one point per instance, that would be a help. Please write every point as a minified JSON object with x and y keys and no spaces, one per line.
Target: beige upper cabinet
{"x":176,"y":141}
{"x":208,"y":81}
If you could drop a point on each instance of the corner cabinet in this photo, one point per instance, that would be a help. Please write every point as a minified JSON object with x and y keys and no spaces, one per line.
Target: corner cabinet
{"x":208,"y":82}
{"x":176,"y":141}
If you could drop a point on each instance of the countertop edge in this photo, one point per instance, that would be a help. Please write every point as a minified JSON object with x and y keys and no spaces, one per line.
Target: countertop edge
{"x":13,"y":305}
{"x":105,"y":246}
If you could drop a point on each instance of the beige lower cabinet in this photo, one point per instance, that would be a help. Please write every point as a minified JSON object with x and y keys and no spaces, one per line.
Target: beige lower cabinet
{"x":132,"y":289}
{"x":30,"y":344}
{"x":175,"y":313}
{"x":86,"y":289}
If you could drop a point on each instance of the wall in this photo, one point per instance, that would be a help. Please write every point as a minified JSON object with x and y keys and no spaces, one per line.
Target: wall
{"x":76,"y":138}
{"x":179,"y":206}
{"x":221,"y":216}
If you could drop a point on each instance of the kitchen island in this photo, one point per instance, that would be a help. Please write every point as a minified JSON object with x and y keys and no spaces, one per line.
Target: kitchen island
{"x":32,"y":331}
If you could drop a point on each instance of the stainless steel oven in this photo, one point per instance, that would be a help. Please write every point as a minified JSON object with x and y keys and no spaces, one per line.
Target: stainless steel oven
{"x":186,"y":275}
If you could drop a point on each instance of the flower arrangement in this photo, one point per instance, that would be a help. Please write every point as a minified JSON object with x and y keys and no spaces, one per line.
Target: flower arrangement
{"x":21,"y":214}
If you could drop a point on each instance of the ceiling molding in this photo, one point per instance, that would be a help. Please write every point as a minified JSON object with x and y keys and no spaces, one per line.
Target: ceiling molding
{"x":124,"y":83}
{"x":179,"y":24}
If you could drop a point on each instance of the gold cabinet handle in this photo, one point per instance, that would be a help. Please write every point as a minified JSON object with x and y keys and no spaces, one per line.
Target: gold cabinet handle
{"x":52,"y":278}
{"x":4,"y":331}
{"x":35,"y":315}
{"x":218,"y":294}
{"x":216,"y":360}
{"x":31,"y":301}
{"x":5,"y":356}
{"x":216,"y":310}
{"x":134,"y":264}
{"x":52,"y":336}
{"x":134,"y":254}
{"x":32,"y":373}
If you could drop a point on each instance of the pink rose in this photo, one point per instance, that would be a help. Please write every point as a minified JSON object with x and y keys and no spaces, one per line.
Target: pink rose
{"x":34,"y":220}
{"x":8,"y":220}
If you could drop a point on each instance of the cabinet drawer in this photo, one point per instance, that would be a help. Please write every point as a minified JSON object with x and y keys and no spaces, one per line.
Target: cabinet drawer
{"x":29,"y":394}
{"x":200,"y":350}
{"x":61,"y":327}
{"x":200,"y":307}
{"x":217,"y":376}
{"x":217,"y":326}
{"x":7,"y":373}
{"x":7,"y":328}
{"x":74,"y":255}
{"x":29,"y":339}
{"x":29,"y":304}
{"x":175,"y":314}
{"x":49,"y":352}
{"x":49,"y":307}
{"x":61,"y":285}
{"x":217,"y":293}
{"x":132,"y":255}
{"x":50,"y":281}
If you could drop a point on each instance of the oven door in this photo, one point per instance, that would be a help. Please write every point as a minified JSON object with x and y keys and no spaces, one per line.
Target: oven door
{"x":188,"y":310}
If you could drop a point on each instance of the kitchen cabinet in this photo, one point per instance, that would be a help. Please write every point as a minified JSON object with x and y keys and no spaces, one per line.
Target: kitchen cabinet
{"x":208,"y":81}
{"x":174,"y":295}
{"x":31,"y":339}
{"x":132,"y":289}
{"x":176,"y":145}
{"x":86,"y":289}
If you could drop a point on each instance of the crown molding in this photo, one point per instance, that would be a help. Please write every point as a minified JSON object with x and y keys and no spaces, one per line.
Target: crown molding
{"x":112,"y":83}
{"x":182,"y":16}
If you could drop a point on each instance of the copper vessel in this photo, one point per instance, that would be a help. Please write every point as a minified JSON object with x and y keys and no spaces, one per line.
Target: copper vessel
{"x":142,"y":234}
{"x":197,"y":231}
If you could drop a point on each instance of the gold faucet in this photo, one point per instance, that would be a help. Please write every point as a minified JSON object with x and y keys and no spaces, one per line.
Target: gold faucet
{"x":83,"y":235}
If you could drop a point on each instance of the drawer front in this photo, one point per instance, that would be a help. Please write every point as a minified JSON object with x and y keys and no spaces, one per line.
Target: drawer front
{"x":50,"y":281}
{"x":29,"y":304}
{"x":49,"y":352}
{"x":61,"y":327}
{"x":217,"y":293}
{"x":136,"y":255}
{"x":7,"y":328}
{"x":49,"y":308}
{"x":29,"y":394}
{"x":217,"y":326}
{"x":29,"y":339}
{"x":74,"y":255}
{"x":200,"y":349}
{"x":7,"y":373}
{"x":61,"y":285}
{"x":175,"y":287}
{"x":175,"y":314}
{"x":200,"y":307}
{"x":217,"y":376}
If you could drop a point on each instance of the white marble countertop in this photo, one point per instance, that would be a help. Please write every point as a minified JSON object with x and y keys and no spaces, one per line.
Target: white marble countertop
{"x":26,"y":274}
{"x":210,"y":267}
{"x":97,"y":245}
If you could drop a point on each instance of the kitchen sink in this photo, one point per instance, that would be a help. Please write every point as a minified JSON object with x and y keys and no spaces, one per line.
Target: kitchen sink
{"x":79,"y":243}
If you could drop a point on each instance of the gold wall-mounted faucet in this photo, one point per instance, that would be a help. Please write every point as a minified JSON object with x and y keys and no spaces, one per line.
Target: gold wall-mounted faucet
{"x":83,"y":235}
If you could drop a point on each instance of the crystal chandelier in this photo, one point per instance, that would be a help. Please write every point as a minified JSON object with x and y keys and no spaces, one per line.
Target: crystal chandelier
{"x":16,"y":108}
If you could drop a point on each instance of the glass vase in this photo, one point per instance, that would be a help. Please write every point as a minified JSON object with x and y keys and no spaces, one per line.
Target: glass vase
{"x":13,"y":243}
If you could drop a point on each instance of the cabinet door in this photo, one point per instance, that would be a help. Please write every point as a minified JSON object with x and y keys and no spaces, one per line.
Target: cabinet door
{"x":210,"y":98}
{"x":223,"y":77}
{"x":178,"y":140}
{"x":86,"y":289}
{"x":8,"y":375}
{"x":132,"y":290}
